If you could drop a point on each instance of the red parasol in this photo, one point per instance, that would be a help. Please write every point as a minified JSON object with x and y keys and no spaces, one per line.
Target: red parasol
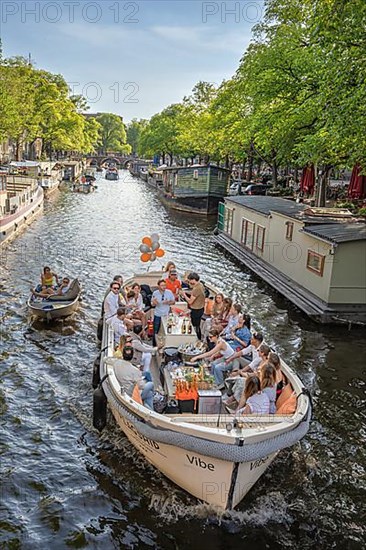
{"x":307,"y":182}
{"x":357,"y":185}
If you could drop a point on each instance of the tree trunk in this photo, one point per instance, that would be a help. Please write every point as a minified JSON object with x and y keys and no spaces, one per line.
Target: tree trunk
{"x":259,"y":167}
{"x":250,"y":163}
{"x":227,"y":161}
{"x":322,"y":187}
{"x":163,"y":157}
{"x":171,"y":158}
{"x":274,"y":172}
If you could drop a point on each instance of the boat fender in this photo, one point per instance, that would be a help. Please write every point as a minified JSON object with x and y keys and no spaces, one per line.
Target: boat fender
{"x":100,"y":406}
{"x":100,"y":329}
{"x":96,"y":372}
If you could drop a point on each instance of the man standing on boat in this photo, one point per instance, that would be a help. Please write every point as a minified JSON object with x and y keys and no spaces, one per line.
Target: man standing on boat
{"x":161,"y":299}
{"x":196,"y":301}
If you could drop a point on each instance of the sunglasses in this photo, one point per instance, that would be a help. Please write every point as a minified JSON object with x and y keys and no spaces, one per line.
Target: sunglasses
{"x":115,"y":287}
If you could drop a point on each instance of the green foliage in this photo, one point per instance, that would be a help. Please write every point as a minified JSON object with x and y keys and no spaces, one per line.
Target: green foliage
{"x":113,"y":135}
{"x":134,"y":131}
{"x":36,"y":104}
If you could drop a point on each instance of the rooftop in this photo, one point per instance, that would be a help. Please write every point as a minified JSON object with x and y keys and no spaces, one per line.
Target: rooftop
{"x":266,"y":205}
{"x":24,"y":164}
{"x":338,"y":232}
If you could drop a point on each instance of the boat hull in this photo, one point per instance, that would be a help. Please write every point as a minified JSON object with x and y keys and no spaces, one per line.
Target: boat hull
{"x":43,"y":309}
{"x":218,"y":482}
{"x":203,"y":205}
{"x":10,"y":226}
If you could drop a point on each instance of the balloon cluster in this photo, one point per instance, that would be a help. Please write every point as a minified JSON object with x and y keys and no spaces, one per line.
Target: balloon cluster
{"x":150,"y":248}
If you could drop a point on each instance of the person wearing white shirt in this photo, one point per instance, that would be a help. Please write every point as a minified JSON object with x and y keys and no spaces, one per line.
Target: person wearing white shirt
{"x":161,"y":299}
{"x":252,"y":349}
{"x":117,"y":322}
{"x":111,"y":303}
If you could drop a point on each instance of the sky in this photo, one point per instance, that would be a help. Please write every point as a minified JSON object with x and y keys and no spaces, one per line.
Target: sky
{"x":132,"y":58}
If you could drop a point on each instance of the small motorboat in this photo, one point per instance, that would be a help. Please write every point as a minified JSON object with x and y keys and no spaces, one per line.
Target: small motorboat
{"x":210,"y":454}
{"x":111,"y":174}
{"x":54,"y":307}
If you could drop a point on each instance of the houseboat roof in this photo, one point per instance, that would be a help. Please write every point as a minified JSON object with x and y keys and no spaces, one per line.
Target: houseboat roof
{"x":266,"y":205}
{"x":338,"y":232}
{"x":24,"y":164}
{"x":193,"y":167}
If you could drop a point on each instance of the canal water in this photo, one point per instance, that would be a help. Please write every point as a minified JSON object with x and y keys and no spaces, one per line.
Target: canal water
{"x":64,"y":485}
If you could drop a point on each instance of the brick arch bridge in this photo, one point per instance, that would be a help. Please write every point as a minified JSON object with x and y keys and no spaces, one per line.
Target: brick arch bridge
{"x":121,"y":160}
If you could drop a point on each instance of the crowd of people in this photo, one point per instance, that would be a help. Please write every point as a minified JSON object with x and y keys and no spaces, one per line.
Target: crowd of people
{"x":254,"y":377}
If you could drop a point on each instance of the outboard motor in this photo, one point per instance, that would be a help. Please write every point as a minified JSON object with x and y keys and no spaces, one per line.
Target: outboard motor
{"x":100,"y":407}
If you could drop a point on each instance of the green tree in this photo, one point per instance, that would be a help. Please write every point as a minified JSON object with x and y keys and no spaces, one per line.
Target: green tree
{"x":134,"y":131}
{"x":113,"y":135}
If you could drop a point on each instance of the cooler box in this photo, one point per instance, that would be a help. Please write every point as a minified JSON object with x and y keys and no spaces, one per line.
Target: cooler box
{"x":209,"y":401}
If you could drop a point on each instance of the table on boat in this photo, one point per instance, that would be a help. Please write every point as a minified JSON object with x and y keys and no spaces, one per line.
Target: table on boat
{"x":175,"y":338}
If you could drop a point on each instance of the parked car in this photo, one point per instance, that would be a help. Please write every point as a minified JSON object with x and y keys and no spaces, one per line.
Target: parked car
{"x":257,"y":189}
{"x":235,"y":188}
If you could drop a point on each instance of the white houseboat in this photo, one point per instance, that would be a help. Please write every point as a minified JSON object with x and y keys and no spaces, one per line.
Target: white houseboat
{"x":50,"y":177}
{"x":21,"y":198}
{"x":316,"y":258}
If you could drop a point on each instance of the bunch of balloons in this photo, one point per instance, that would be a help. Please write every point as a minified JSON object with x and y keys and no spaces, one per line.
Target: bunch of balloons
{"x":150,"y":248}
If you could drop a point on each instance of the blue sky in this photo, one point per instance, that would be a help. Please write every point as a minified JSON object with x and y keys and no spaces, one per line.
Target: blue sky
{"x":131,"y":57}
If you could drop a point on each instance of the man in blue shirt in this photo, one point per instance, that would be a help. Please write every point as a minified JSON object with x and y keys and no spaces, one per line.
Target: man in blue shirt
{"x":161,"y":299}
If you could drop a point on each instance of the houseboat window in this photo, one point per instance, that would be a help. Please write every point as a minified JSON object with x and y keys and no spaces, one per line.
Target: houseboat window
{"x":247,"y":233}
{"x":195,"y":174}
{"x":315,"y":262}
{"x":260,"y":237}
{"x":2,"y":183}
{"x":289,"y":230}
{"x":228,"y":223}
{"x":219,"y":176}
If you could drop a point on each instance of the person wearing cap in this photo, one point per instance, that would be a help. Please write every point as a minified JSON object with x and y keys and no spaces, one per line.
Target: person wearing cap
{"x":173,"y":283}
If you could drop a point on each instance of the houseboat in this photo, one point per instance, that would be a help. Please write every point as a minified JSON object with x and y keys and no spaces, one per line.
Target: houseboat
{"x":135,"y":167}
{"x":73,"y":169}
{"x":314,"y":257}
{"x":155,"y":178}
{"x":21,"y":198}
{"x":197,"y":189}
{"x":51,"y":175}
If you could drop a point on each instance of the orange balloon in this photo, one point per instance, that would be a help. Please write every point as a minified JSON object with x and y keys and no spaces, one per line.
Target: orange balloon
{"x":147,"y":240}
{"x":160,"y":252}
{"x":145,"y":257}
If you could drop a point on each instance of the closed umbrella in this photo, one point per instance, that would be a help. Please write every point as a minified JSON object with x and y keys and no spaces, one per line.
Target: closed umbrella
{"x":307,"y":182}
{"x":357,"y":184}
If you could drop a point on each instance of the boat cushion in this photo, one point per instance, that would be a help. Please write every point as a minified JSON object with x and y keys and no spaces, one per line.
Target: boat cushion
{"x":284,"y":395}
{"x":70,"y":295}
{"x":289,"y":406}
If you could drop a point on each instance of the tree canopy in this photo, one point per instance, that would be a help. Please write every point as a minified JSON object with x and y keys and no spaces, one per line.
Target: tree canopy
{"x":113,"y":135}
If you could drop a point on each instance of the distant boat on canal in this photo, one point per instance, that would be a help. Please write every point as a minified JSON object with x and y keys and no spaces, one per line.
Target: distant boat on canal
{"x":111,"y":174}
{"x":55,"y":307}
{"x":197,"y":189}
{"x":21,"y":197}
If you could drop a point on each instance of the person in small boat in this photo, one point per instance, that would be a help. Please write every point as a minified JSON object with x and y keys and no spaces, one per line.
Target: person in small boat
{"x":241,"y":337}
{"x":46,"y":292}
{"x":218,"y":366}
{"x":173,"y":283}
{"x":130,"y":376}
{"x":48,"y":278}
{"x":142,"y":352}
{"x":135,"y":303}
{"x":248,"y":365}
{"x":224,"y":316}
{"x":234,"y":321}
{"x":214,"y":316}
{"x":161,"y":299}
{"x":196,"y":301}
{"x":281,"y":380}
{"x":111,"y":302}
{"x":256,"y":401}
{"x":120,"y":324}
{"x":167,"y":269}
{"x":268,"y":385}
